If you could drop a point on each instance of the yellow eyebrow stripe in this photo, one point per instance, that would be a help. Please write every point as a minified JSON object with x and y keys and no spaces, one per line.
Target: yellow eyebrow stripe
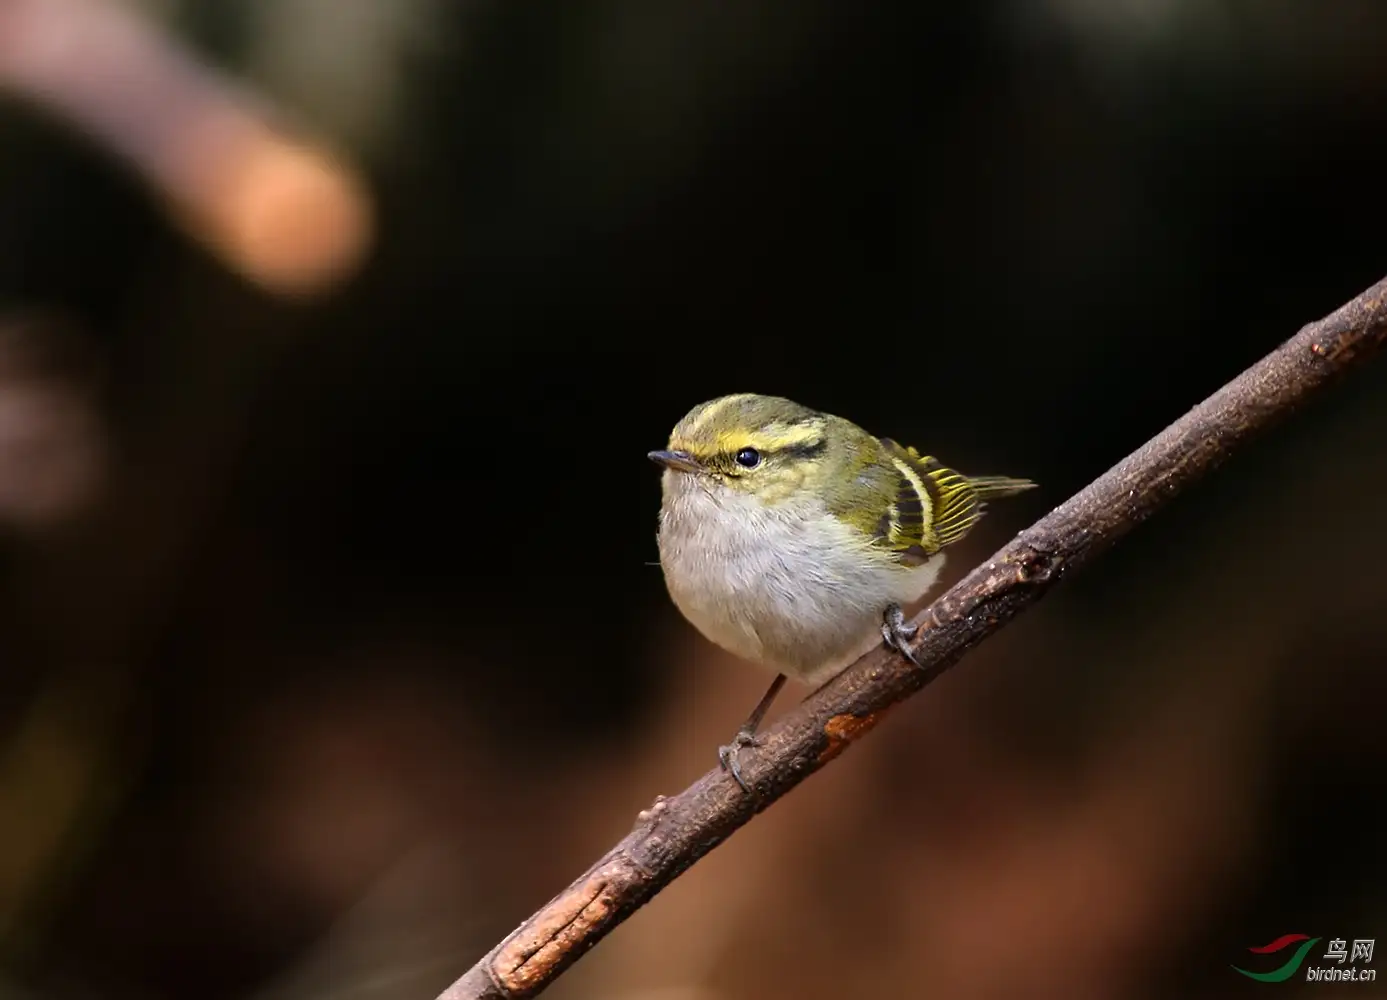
{"x":773,"y":437}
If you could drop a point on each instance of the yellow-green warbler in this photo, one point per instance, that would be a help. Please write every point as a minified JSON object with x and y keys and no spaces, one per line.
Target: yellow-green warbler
{"x":792,"y":537}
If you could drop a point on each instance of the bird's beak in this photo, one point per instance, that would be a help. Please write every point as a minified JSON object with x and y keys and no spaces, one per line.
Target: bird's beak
{"x":681,"y":461}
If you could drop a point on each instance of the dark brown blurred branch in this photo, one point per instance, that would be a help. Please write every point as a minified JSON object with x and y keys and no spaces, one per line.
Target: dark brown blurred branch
{"x":677,"y":832}
{"x":276,"y":205}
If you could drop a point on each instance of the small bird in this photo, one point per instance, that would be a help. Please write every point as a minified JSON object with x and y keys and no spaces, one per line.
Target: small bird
{"x":791,"y":538}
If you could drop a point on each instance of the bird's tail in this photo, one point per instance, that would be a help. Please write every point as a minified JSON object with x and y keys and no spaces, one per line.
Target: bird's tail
{"x":993,"y":487}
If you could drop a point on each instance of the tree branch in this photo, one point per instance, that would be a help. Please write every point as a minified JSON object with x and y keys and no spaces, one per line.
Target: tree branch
{"x":676,"y":832}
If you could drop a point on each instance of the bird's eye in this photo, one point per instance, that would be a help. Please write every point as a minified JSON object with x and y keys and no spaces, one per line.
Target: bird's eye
{"x":748,"y":458}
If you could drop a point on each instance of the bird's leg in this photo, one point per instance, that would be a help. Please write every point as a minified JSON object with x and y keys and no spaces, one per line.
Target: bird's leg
{"x":896,"y":633}
{"x":746,"y":735}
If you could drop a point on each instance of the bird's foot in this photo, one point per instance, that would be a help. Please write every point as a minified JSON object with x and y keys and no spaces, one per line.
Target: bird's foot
{"x":728,"y":755}
{"x":896,"y":633}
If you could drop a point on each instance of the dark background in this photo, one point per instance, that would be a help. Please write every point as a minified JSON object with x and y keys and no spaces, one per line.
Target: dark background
{"x":330,"y":645}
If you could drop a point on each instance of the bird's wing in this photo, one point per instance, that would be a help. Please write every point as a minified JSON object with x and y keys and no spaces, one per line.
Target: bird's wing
{"x":934,"y":506}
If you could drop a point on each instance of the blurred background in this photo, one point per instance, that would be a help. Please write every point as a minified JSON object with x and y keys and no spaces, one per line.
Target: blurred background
{"x":333,"y":334}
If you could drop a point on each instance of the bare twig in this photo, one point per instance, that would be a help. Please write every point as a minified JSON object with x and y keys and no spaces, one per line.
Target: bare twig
{"x":676,"y":832}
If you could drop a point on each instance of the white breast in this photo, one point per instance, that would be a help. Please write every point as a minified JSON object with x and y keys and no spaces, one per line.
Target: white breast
{"x":789,"y":586}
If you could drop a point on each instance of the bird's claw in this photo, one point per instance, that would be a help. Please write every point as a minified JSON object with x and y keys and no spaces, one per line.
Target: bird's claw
{"x":728,"y":755}
{"x":897,"y":634}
